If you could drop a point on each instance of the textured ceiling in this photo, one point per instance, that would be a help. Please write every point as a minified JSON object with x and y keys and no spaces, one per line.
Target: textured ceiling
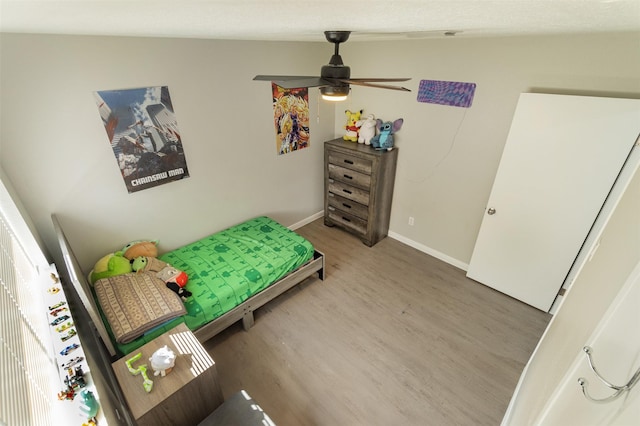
{"x":305,"y":20}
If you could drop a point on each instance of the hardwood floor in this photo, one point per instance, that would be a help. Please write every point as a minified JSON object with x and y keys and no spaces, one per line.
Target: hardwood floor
{"x":391,"y":337}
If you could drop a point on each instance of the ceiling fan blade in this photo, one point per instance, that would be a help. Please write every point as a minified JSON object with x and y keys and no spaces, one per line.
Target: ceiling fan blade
{"x":281,"y":77}
{"x":378,"y":79}
{"x":293,"y":81}
{"x":379,"y":86}
{"x":335,"y":75}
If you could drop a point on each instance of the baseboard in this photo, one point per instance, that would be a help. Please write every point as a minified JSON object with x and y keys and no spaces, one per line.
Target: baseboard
{"x":307,"y":220}
{"x":431,"y":252}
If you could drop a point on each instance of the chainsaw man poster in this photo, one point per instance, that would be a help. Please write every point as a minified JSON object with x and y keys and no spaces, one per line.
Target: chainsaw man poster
{"x":144,"y":136}
{"x":291,"y":118}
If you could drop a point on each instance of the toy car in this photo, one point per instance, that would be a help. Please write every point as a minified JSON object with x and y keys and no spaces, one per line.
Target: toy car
{"x":72,"y":362}
{"x":57,"y":305}
{"x":59,"y":320}
{"x":69,"y":348}
{"x":64,"y":326}
{"x":69,"y":335}
{"x":55,"y":312}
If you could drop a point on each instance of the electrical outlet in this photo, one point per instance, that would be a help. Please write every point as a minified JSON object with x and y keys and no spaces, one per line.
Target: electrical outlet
{"x":410,"y":220}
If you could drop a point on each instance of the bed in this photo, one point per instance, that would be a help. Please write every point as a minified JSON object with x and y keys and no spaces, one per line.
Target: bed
{"x":231,"y":274}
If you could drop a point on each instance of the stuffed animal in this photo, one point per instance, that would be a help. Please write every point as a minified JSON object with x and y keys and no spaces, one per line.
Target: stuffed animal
{"x":384,"y":139}
{"x":351,"y":133}
{"x":175,"y":279}
{"x":367,"y":129}
{"x":148,"y":248}
{"x":109,"y":266}
{"x":162,"y":361}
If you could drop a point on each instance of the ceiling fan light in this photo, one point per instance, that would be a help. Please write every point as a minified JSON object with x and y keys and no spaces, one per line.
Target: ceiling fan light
{"x":335,"y":93}
{"x":334,"y":98}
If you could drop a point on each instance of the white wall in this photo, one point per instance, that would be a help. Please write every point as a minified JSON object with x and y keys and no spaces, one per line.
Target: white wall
{"x":56,"y":153}
{"x":54,"y":149}
{"x":448,"y":155}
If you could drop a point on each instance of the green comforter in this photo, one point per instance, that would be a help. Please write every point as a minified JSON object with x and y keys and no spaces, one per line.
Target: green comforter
{"x":230,"y":266}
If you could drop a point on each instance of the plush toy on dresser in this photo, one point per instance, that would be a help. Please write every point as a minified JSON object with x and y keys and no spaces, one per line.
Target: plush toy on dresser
{"x":367,"y":129}
{"x":384,"y":139}
{"x":351,"y":133}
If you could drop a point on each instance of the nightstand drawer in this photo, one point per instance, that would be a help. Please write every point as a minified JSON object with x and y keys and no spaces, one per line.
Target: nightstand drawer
{"x":349,"y":206}
{"x":347,"y":191}
{"x":354,"y":163}
{"x":356,"y":225}
{"x":349,"y":176}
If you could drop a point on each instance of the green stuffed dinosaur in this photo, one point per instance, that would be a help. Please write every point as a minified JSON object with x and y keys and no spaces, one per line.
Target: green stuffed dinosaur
{"x":110,"y":266}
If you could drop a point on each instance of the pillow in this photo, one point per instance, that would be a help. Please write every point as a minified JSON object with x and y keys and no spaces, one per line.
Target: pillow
{"x":135,"y":303}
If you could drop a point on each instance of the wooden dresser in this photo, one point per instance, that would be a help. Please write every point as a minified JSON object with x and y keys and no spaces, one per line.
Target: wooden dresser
{"x":358,"y":183}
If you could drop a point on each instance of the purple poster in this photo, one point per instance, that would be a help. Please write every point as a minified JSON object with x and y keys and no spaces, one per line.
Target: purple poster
{"x":453,"y":93}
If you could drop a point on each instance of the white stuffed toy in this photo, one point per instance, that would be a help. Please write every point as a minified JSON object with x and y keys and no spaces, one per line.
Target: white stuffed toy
{"x":162,"y":361}
{"x":367,"y":129}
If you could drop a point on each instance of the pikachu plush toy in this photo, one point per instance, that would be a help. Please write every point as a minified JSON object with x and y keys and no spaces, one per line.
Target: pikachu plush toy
{"x":351,"y":133}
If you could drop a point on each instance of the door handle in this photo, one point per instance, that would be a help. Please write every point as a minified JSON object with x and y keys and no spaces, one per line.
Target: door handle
{"x":491,"y":211}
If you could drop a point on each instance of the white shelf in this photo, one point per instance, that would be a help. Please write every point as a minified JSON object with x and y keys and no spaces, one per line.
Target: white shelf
{"x":69,"y":410}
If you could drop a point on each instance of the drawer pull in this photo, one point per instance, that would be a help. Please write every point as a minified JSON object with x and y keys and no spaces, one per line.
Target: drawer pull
{"x":331,"y":194}
{"x":346,"y":219}
{"x":348,"y":161}
{"x":347,"y":191}
{"x":348,"y":177}
{"x":332,"y":209}
{"x":346,"y":205}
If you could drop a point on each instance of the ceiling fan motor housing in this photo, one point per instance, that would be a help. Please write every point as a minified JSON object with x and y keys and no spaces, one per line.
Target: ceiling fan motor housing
{"x":335,"y":71}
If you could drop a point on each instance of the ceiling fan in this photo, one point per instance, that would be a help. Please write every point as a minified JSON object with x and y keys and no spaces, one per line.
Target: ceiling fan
{"x":335,"y":77}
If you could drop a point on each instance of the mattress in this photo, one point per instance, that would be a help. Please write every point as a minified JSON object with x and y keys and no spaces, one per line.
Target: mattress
{"x":230,"y":266}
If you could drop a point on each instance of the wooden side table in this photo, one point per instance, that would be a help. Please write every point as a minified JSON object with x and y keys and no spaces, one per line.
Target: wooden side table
{"x":187,"y":395}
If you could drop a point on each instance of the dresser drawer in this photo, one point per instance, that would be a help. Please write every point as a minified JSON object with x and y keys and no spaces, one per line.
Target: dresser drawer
{"x":349,"y":206}
{"x":358,"y":188}
{"x":354,"y":163}
{"x":347,"y":191}
{"x":349,"y":176}
{"x":355,"y":224}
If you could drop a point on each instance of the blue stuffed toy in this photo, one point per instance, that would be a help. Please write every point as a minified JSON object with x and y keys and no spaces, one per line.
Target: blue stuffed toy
{"x":384,"y":139}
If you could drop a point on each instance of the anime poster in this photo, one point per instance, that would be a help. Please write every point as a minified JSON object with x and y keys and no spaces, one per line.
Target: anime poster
{"x":143,"y":133}
{"x":291,"y":118}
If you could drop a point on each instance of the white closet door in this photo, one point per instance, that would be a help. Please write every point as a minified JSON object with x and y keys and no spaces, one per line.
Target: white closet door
{"x":561,"y":158}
